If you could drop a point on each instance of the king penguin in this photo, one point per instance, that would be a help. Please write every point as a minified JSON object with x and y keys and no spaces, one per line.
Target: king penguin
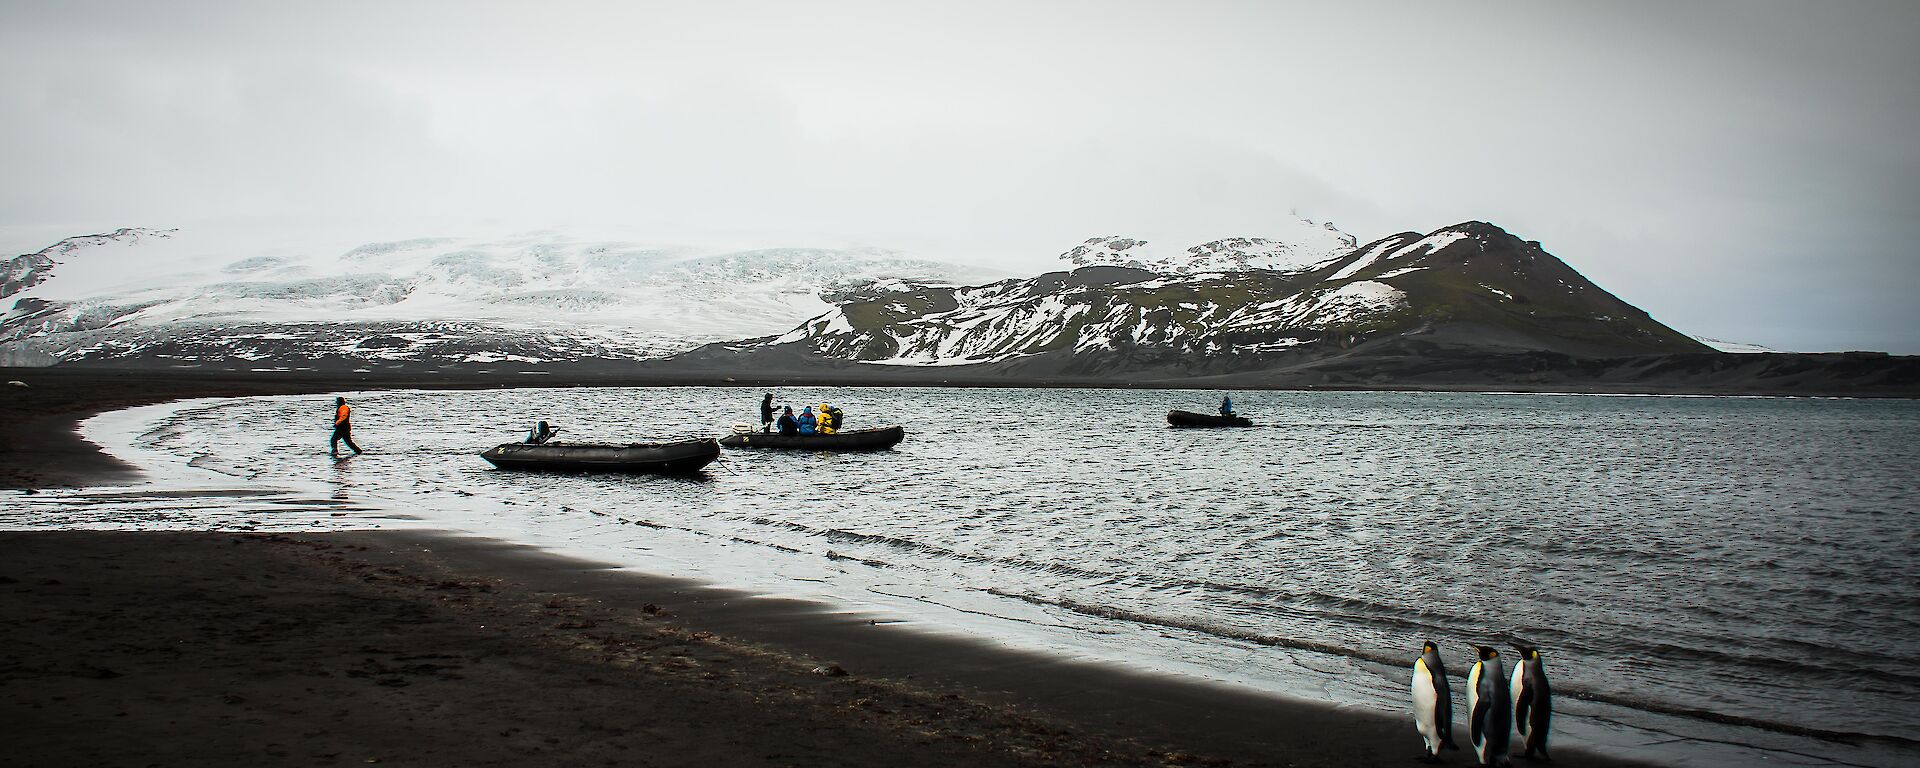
{"x":1432,"y":701}
{"x":1532,"y":701}
{"x":1490,"y":708}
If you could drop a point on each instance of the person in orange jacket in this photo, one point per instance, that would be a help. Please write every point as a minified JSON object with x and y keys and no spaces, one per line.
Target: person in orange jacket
{"x":342,"y":428}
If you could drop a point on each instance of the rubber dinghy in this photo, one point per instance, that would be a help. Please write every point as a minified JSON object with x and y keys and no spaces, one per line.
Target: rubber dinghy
{"x":674,"y":458}
{"x":1191,"y":419}
{"x":873,"y":439}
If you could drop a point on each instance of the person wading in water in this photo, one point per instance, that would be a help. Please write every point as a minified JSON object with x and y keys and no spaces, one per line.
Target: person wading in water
{"x":342,"y":428}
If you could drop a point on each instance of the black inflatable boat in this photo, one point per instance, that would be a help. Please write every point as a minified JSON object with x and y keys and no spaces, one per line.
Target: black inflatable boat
{"x":675,"y":457}
{"x":1191,"y":419}
{"x":874,"y":439}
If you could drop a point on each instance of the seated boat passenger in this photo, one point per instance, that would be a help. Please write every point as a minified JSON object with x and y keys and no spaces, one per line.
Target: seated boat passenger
{"x":832,"y":414}
{"x":541,"y":433}
{"x":809,"y":424}
{"x":789,"y":425}
{"x":1226,"y":406}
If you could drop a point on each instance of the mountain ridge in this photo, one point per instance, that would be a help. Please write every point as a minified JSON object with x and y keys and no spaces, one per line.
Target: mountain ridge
{"x":1466,"y":306}
{"x":1473,"y":276}
{"x":26,"y":271}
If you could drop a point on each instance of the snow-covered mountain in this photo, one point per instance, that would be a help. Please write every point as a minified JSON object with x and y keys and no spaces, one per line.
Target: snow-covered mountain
{"x":142,"y":297}
{"x":190,"y":298}
{"x":1471,"y":285}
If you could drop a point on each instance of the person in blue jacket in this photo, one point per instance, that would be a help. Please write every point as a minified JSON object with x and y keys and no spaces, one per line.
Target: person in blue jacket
{"x":1226,"y":406}
{"x":807,"y":420}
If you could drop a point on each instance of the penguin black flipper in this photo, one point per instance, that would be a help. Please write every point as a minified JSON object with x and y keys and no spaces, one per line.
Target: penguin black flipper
{"x":1541,"y":721}
{"x":1443,"y":710}
{"x":1477,"y":724}
{"x":1522,"y":702}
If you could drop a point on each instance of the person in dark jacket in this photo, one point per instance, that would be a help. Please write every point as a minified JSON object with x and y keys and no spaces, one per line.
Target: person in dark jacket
{"x":541,"y":433}
{"x":788,"y":424}
{"x":766,"y":413}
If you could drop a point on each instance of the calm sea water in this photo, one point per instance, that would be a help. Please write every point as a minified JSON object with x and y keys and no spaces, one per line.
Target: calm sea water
{"x":1702,"y":573}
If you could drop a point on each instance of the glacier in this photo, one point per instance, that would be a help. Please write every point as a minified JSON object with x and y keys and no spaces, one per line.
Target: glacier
{"x":186,"y":296}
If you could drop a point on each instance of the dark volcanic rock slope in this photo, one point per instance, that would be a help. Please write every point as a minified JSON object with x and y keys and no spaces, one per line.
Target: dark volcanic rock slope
{"x":1479,"y":285}
{"x":1470,"y":289}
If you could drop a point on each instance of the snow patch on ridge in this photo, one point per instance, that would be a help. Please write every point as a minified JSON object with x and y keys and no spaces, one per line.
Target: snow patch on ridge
{"x":1354,"y":302}
{"x":1395,"y":248}
{"x":1735,"y":346}
{"x":1297,"y":244}
{"x":1366,"y":258}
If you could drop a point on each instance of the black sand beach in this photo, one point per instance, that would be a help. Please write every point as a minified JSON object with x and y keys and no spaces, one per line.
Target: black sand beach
{"x":353,"y":648}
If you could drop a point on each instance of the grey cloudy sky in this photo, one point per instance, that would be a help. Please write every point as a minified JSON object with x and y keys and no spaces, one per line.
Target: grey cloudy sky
{"x":1744,"y":170}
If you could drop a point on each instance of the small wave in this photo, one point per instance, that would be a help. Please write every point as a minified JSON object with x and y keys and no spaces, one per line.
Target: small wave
{"x":1393,"y":660}
{"x":1317,"y":604}
{"x":832,"y":555}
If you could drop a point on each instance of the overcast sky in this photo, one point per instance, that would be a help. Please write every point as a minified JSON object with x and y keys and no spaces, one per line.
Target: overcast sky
{"x":1744,"y":170}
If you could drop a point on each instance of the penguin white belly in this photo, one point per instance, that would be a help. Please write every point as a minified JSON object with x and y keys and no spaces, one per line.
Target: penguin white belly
{"x":1474,"y":718}
{"x":1517,"y":687}
{"x":1425,"y":700}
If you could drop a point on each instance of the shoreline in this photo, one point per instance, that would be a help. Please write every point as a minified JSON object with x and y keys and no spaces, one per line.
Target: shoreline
{"x":222,"y":649}
{"x":153,"y":630}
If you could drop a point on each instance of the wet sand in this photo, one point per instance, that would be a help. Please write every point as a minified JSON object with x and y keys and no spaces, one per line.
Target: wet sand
{"x":210,"y":649}
{"x":351,"y":648}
